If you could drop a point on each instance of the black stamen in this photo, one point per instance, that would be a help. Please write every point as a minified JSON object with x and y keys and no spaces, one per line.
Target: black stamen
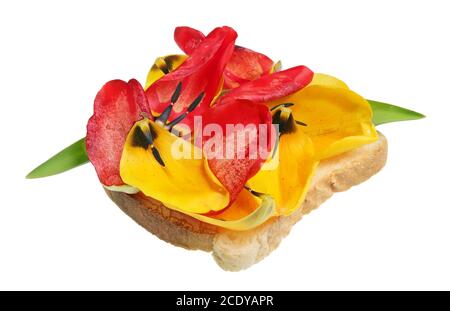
{"x":191,"y":107}
{"x":155,"y":152}
{"x":196,"y":101}
{"x":144,"y":139}
{"x":255,"y":193}
{"x":285,"y":105}
{"x":301,"y":123}
{"x":162,"y":119}
{"x":176,"y":120}
{"x":176,"y":94}
{"x":157,"y":156}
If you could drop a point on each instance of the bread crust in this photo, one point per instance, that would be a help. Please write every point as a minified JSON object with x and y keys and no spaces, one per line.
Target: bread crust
{"x":233,"y":250}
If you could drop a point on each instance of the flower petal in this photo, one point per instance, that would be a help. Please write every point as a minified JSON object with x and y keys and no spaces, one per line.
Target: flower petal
{"x":245,"y":142}
{"x":245,"y":204}
{"x":116,"y":107}
{"x":200,"y":73}
{"x":270,"y":87}
{"x":244,"y":65}
{"x":264,"y":210}
{"x":162,"y":66}
{"x":337,"y":119}
{"x":327,"y":80}
{"x":188,"y":39}
{"x":286,"y":176}
{"x":177,"y":175}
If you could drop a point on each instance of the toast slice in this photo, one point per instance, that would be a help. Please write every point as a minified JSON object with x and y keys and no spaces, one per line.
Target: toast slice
{"x":237,"y":250}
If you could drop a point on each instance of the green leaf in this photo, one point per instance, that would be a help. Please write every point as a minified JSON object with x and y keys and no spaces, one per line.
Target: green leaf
{"x":385,"y":113}
{"x":71,"y":157}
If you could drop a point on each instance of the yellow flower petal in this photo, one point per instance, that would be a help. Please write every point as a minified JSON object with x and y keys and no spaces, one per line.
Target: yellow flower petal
{"x":162,"y":66}
{"x":245,"y":204}
{"x":337,"y":119}
{"x":264,"y":209}
{"x":327,"y":80}
{"x":286,"y":177}
{"x":183,"y":183}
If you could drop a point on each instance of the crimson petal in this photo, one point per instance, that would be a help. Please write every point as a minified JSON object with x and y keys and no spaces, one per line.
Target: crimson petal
{"x":201,"y":72}
{"x":270,"y":87}
{"x":244,"y":65}
{"x":116,"y":107}
{"x":188,"y":39}
{"x":236,"y":165}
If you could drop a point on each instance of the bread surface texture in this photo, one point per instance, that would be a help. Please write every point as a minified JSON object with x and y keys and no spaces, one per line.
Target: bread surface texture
{"x":237,"y":250}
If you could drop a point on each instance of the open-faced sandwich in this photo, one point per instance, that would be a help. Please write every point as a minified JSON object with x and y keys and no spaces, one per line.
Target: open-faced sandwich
{"x":223,"y":151}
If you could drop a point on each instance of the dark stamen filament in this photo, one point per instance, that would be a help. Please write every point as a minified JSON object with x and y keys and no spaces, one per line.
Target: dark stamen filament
{"x":301,"y":123}
{"x":191,"y":107}
{"x":176,"y":121}
{"x":157,"y":156}
{"x":155,"y":151}
{"x":255,"y":193}
{"x":196,"y":101}
{"x":176,"y":94}
{"x":162,"y":119}
{"x":145,"y":139}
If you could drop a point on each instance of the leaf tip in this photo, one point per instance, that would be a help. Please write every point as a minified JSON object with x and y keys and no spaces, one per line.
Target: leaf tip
{"x":420,"y":115}
{"x":34,"y":174}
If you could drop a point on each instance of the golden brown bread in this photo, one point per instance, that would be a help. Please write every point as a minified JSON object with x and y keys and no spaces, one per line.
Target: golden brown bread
{"x":234,"y":250}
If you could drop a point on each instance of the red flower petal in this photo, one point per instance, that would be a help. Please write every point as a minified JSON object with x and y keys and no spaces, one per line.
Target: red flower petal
{"x":116,"y":107}
{"x":244,"y":65}
{"x":270,"y":87}
{"x":240,"y":162}
{"x":188,"y":39}
{"x":201,"y":72}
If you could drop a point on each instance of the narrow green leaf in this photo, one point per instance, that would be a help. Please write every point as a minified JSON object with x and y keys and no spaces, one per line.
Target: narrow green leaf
{"x":69,"y":158}
{"x":385,"y":113}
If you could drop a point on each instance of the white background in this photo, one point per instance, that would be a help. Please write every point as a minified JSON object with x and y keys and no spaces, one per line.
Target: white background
{"x":391,"y":232}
